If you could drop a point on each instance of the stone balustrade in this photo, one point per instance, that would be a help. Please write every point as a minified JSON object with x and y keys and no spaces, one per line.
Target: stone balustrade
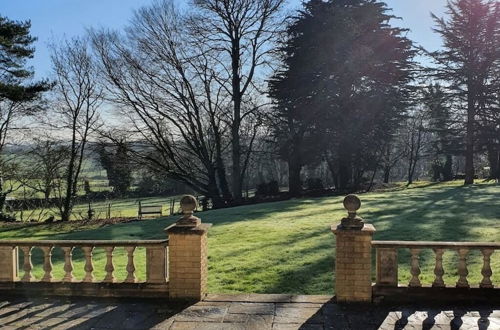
{"x":353,"y":266}
{"x":175,"y":267}
{"x":387,"y":262}
{"x":17,"y":271}
{"x":9,"y":260}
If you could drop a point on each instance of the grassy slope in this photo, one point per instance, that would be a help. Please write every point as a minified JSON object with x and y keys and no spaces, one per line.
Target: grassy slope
{"x":288,"y":247}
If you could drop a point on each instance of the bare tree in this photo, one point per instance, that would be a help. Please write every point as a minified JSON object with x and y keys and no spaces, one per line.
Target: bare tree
{"x":46,"y":164}
{"x":415,"y":134}
{"x":169,"y":96}
{"x":391,"y":154}
{"x":238,"y":35}
{"x":77,"y":100}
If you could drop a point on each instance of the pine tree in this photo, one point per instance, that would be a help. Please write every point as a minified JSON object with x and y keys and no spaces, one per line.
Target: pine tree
{"x":468,"y":63}
{"x":15,"y":48}
{"x":16,"y":90}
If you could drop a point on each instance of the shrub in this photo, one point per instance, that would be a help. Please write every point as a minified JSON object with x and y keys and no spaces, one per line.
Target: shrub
{"x":314,"y":184}
{"x":271,"y":188}
{"x":7,"y":217}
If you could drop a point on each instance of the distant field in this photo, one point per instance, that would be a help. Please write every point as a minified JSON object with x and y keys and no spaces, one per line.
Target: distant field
{"x":27,"y":192}
{"x":287,"y":247}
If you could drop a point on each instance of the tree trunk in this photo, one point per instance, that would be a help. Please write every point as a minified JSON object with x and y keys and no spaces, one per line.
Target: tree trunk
{"x":3,"y":199}
{"x":410,"y":178}
{"x":411,"y":170}
{"x":372,"y":180}
{"x":236,"y":166}
{"x":387,"y":174}
{"x":224,"y":187}
{"x":436,"y":171}
{"x":294,"y":182}
{"x":494,"y":162}
{"x":68,"y":198}
{"x":448,"y":168}
{"x":469,"y":148}
{"x":345,"y":173}
{"x":213,"y":191}
{"x":67,"y":204}
{"x":235,"y":129}
{"x":47,"y":192}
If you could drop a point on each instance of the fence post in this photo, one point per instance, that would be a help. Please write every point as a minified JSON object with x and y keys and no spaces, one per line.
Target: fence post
{"x":187,"y":255}
{"x":9,"y":264}
{"x":353,"y":269}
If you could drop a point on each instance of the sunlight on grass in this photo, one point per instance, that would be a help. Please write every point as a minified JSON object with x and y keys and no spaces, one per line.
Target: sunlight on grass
{"x":287,"y":247}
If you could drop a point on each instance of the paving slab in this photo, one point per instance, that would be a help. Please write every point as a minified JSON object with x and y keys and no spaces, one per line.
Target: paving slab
{"x":244,"y":311}
{"x":252,"y":308}
{"x":202,"y":314}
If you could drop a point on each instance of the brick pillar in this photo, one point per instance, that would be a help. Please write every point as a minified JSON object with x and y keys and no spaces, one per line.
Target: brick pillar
{"x":187,"y":255}
{"x":353,"y":282}
{"x":9,"y":266}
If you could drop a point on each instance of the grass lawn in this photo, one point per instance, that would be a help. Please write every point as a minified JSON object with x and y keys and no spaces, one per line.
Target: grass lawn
{"x":287,"y":247}
{"x":120,"y":208}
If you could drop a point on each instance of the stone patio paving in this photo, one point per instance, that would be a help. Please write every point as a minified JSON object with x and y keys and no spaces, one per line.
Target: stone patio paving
{"x":238,"y":312}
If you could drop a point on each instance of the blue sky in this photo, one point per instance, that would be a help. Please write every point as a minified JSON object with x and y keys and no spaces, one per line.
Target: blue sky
{"x":53,"y":19}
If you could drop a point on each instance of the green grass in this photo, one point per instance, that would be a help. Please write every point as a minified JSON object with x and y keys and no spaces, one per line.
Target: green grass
{"x":287,"y":247}
{"x":120,"y":208}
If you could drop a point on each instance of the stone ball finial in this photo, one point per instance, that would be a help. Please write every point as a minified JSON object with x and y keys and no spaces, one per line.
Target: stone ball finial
{"x":188,"y":204}
{"x":352,"y":203}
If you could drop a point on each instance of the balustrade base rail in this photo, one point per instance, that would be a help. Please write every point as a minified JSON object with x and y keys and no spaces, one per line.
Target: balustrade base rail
{"x":80,"y":289}
{"x":429,"y":294}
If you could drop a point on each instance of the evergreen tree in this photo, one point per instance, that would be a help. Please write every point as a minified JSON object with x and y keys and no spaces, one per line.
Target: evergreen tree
{"x":16,"y":46}
{"x":345,"y":82}
{"x":117,"y":165}
{"x":16,"y":89}
{"x":468,"y":63}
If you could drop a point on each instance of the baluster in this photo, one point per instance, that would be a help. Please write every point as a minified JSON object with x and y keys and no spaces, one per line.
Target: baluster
{"x":27,"y":266}
{"x":89,"y":266}
{"x":438,"y":269}
{"x":462,"y":268}
{"x":68,"y":263}
{"x":130,"y":265}
{"x":486,"y":271}
{"x":109,"y":264}
{"x":415,"y":268}
{"x":47,"y":263}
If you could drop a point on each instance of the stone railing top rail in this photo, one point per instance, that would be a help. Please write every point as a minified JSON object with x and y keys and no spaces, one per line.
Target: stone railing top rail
{"x":438,"y":245}
{"x":140,"y":243}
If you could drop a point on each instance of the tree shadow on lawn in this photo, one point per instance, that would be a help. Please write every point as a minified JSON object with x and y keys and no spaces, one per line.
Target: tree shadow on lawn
{"x":147,"y":229}
{"x":450,"y":214}
{"x":441,"y":215}
{"x":299,"y":263}
{"x":447,"y":214}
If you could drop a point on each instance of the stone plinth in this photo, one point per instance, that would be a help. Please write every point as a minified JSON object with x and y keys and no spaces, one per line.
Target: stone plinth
{"x":188,"y":261}
{"x":9,"y":267}
{"x":353,"y":281}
